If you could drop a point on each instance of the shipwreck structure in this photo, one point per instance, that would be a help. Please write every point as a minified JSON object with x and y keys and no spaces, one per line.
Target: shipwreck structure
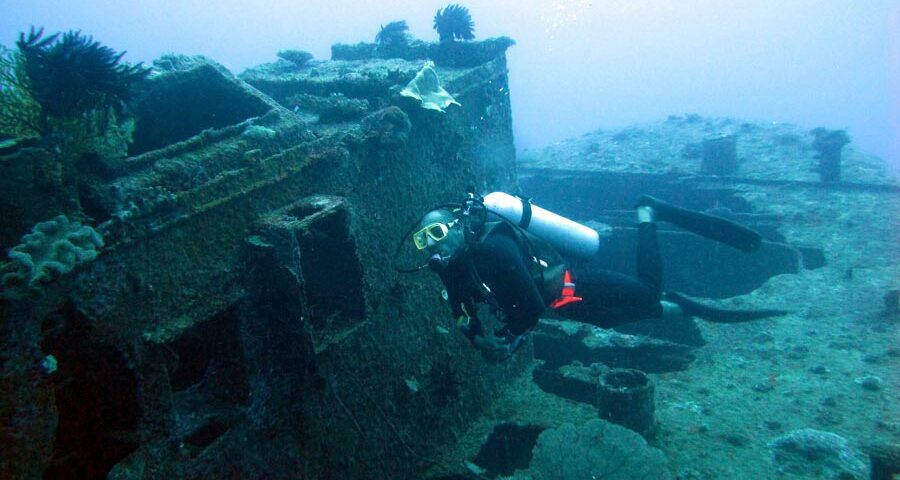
{"x":241,"y":317}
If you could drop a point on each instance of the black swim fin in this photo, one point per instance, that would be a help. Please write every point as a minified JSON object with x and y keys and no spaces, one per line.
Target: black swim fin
{"x":719,"y":315}
{"x":705,"y":225}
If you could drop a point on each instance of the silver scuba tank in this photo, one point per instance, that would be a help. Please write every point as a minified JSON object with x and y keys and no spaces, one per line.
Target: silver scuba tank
{"x":566,"y":236}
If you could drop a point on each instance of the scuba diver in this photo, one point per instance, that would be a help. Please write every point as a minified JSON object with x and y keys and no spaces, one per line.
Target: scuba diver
{"x":522,"y":261}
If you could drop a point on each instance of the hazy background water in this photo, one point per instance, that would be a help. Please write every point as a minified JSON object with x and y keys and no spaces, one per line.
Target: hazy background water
{"x":578,"y":65}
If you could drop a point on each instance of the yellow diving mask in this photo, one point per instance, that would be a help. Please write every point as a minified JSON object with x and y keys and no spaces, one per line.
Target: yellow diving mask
{"x":437,"y":231}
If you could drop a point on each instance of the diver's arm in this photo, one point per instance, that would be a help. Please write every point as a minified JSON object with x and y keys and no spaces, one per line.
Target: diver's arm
{"x":502,"y":266}
{"x":468,"y":323}
{"x":493,"y":348}
{"x":463,"y":308}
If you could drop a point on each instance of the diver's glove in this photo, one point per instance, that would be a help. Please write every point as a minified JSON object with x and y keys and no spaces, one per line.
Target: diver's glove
{"x":464,"y":325}
{"x":516,"y":343}
{"x":498,"y":348}
{"x":493,"y":349}
{"x":513,"y":341}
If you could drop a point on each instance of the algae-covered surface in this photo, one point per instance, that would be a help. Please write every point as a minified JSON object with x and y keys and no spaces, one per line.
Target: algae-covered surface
{"x":765,"y":151}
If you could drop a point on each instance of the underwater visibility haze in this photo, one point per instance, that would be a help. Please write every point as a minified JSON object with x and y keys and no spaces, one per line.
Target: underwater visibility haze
{"x":436,"y":240}
{"x":830,"y":63}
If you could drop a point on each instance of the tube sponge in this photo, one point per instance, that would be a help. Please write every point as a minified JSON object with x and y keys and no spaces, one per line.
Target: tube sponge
{"x":53,"y":248}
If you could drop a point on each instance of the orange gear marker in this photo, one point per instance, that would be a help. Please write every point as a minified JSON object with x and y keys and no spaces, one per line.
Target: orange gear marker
{"x":568,"y":293}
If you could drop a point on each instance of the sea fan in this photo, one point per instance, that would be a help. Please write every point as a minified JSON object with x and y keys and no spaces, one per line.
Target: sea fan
{"x":70,"y":74}
{"x":19,"y":113}
{"x":454,"y":22}
{"x":393,"y":33}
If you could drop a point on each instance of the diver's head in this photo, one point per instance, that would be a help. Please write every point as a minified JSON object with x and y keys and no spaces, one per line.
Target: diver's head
{"x":439,"y":233}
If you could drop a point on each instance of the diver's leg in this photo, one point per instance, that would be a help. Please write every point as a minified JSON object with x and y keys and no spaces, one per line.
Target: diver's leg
{"x":649,"y":264}
{"x":718,"y":315}
{"x":649,"y":260}
{"x":703,"y":224}
{"x":610,"y":299}
{"x":670,"y":310}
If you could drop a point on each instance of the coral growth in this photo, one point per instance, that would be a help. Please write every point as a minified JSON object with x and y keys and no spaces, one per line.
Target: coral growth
{"x":426,"y":88}
{"x":67,"y":95}
{"x":387,"y":128}
{"x":298,"y":57}
{"x":392,"y":34}
{"x":53,"y":248}
{"x":597,"y":449}
{"x":454,"y":22}
{"x":331,"y":109}
{"x":71,"y":75}
{"x":817,"y":454}
{"x":19,"y":113}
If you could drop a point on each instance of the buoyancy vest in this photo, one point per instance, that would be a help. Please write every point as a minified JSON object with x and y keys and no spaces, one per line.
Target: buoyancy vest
{"x":545,"y":265}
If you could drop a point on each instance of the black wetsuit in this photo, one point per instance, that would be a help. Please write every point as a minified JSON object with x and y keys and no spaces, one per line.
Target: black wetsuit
{"x":502,"y":262}
{"x":611,"y":298}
